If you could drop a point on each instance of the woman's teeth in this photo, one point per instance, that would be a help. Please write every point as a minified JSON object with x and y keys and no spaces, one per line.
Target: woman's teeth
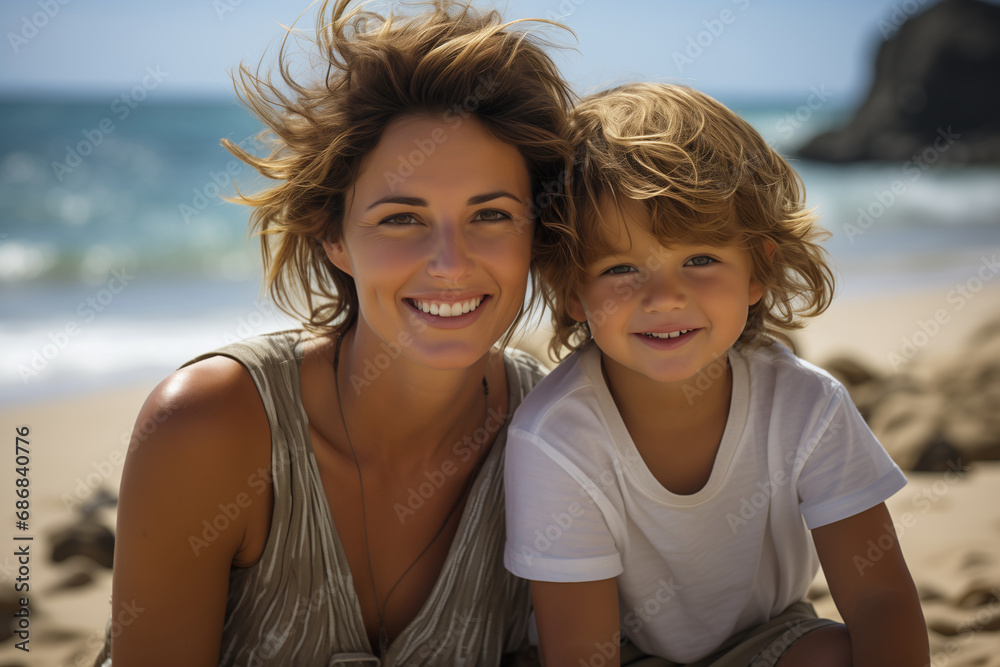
{"x":447,"y":309}
{"x":672,"y":334}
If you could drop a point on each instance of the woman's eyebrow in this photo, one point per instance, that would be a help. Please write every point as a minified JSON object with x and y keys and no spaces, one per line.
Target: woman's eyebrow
{"x":479,"y":199}
{"x":416,"y":201}
{"x":405,"y":201}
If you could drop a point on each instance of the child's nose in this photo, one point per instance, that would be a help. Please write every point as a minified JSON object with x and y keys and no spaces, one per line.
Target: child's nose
{"x":664,"y":292}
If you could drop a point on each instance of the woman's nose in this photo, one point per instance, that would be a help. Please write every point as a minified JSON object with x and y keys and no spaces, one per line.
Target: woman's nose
{"x":450,"y":256}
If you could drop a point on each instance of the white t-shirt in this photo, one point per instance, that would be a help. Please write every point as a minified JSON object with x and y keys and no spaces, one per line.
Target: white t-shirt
{"x":692,"y":569}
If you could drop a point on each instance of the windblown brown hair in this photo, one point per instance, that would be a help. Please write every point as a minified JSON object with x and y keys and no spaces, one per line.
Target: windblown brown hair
{"x":705,"y":176}
{"x":450,"y":60}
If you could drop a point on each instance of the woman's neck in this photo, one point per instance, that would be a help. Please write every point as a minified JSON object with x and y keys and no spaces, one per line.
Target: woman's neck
{"x":394,"y":401}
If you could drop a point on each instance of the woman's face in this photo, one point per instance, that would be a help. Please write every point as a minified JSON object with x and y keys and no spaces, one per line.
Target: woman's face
{"x":437,"y":238}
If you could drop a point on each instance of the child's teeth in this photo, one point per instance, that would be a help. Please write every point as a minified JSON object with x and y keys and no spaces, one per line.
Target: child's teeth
{"x":673,"y":334}
{"x":448,"y":309}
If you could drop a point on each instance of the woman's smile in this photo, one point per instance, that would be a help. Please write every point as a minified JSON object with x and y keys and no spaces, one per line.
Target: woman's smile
{"x":448,"y":315}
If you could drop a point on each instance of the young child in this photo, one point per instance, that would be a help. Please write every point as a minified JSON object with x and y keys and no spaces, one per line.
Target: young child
{"x":681,"y":476}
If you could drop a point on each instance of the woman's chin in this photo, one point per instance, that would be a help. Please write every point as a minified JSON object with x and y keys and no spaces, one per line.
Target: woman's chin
{"x":450,"y":355}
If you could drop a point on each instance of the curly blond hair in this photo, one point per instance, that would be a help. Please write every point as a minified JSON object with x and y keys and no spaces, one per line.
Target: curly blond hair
{"x":451,"y":60}
{"x":705,"y":176}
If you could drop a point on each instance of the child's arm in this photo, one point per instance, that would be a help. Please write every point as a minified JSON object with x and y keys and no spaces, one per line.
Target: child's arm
{"x":873,"y":589}
{"x":577,"y":622}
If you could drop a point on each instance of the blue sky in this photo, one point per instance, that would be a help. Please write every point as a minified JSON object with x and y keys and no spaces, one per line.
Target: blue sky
{"x":736,"y":49}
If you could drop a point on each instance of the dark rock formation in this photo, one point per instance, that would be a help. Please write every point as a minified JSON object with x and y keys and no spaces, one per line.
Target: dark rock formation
{"x":936,"y":93}
{"x":85,"y":537}
{"x":934,"y":418}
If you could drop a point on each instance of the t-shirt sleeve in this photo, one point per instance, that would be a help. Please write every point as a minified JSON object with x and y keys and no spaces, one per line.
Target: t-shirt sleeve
{"x":845,"y":470}
{"x":556,"y":526}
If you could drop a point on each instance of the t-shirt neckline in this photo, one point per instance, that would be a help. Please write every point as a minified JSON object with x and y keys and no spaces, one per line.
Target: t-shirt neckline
{"x":631,"y":461}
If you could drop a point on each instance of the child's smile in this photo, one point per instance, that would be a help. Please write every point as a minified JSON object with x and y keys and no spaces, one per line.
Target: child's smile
{"x":668,"y":341}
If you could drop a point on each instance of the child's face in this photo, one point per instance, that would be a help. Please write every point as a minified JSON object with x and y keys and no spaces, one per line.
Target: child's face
{"x":641,"y":288}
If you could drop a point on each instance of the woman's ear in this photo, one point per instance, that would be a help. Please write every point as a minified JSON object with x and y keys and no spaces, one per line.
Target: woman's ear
{"x":337,"y":253}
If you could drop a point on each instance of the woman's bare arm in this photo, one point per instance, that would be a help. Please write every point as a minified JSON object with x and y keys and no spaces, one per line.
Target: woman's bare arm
{"x":178,"y":525}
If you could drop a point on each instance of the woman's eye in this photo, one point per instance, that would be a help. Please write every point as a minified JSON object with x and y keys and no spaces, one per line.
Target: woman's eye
{"x":620,"y":269}
{"x":492,"y":215}
{"x":701,"y":260}
{"x":400,"y":220}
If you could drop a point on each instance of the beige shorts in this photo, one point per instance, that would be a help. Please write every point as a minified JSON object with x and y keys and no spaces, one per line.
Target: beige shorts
{"x":761,"y":646}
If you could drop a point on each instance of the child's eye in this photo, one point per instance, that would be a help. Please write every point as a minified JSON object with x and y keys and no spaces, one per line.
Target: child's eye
{"x":620,"y":269}
{"x":701,"y":260}
{"x":492,"y":215}
{"x":399,"y":220}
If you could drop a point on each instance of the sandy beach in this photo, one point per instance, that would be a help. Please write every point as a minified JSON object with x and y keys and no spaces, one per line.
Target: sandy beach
{"x":948,"y":522}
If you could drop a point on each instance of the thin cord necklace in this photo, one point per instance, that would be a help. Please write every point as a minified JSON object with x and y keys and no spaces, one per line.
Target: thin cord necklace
{"x":383,"y":638}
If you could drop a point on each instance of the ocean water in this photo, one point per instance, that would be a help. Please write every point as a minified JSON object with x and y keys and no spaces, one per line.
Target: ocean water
{"x":119,"y":260}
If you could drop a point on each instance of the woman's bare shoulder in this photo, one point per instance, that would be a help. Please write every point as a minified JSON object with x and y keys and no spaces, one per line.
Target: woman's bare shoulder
{"x":215,"y":397}
{"x":205,"y":421}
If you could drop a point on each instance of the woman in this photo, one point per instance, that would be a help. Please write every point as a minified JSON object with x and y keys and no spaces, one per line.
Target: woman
{"x":333,"y":496}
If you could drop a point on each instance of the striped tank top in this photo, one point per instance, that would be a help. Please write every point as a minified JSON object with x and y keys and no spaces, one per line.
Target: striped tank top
{"x":297,"y":605}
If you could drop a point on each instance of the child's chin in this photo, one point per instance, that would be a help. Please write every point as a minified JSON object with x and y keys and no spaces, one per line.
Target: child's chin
{"x":674,"y":375}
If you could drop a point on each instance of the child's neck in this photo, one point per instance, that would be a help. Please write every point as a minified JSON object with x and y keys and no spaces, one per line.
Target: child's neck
{"x":676,"y":427}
